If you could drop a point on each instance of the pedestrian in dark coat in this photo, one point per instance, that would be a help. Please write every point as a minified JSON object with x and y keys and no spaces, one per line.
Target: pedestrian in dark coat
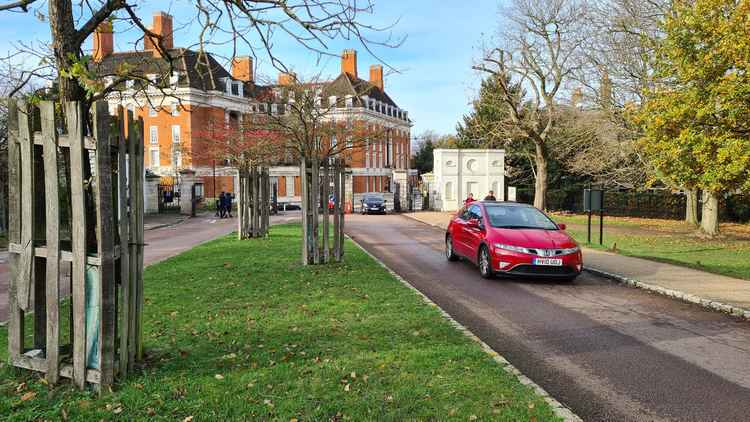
{"x":222,"y":205}
{"x":229,"y":198}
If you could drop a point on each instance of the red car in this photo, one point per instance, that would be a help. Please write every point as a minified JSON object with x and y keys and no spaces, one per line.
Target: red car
{"x":512,"y":239}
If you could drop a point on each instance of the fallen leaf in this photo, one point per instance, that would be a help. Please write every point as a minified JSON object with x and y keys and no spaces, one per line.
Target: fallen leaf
{"x":117,"y":410}
{"x":219,"y":377}
{"x":346,"y":388}
{"x":28,"y":396}
{"x":473,"y":417}
{"x":151,"y":412}
{"x":64,"y":414}
{"x":353,"y":375}
{"x":188,"y":419}
{"x":21,"y":387}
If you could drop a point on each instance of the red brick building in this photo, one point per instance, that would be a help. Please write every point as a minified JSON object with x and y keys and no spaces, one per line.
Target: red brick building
{"x":199,"y":91}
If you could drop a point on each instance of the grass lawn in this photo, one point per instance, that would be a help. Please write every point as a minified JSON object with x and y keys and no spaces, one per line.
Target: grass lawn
{"x":669,"y":241}
{"x":240,"y":331}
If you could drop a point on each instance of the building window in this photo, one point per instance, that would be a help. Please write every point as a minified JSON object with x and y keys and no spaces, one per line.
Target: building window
{"x":449,"y":191}
{"x":274,"y":108}
{"x":154,"y":135}
{"x":175,"y":109}
{"x":176,"y":134}
{"x":235,"y":89}
{"x":154,"y":160}
{"x":152,"y":111}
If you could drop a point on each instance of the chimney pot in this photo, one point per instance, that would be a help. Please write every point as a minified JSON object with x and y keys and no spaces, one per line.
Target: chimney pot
{"x":287,"y":78}
{"x":376,"y":76}
{"x":162,"y":26}
{"x":349,"y":62}
{"x":242,"y":69}
{"x":103,"y":41}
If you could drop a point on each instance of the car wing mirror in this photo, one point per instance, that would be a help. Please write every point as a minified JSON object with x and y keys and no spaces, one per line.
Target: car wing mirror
{"x":473,"y":223}
{"x":562,"y":226}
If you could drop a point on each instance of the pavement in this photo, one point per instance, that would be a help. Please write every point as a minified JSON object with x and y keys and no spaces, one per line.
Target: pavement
{"x":726,"y":294}
{"x":607,"y":352}
{"x":165,"y":236}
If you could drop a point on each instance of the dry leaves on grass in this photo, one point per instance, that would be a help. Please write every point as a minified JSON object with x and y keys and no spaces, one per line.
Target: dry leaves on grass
{"x":28,"y":396}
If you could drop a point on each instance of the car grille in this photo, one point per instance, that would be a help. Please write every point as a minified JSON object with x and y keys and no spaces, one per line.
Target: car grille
{"x":541,"y":270}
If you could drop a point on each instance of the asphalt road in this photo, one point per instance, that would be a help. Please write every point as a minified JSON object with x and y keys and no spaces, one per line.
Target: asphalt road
{"x":161,"y":244}
{"x":610,"y":353}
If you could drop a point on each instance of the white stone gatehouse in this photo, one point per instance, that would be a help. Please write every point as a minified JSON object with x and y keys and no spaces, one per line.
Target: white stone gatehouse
{"x":458,"y":172}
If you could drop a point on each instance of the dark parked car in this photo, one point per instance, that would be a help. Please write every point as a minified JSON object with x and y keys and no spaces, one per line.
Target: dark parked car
{"x":373,"y":203}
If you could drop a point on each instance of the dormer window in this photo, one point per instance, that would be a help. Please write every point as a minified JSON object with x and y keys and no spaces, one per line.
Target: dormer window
{"x":274,"y":108}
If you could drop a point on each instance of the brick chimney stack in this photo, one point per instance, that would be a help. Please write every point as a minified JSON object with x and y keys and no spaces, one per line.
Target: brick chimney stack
{"x":349,"y":62}
{"x":376,"y":76}
{"x":242,"y":69}
{"x":287,"y":78}
{"x":103,"y":41}
{"x":162,"y":26}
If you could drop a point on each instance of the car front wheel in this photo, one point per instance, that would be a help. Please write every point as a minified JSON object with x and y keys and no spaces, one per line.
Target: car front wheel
{"x":449,"y":253}
{"x":485,"y":263}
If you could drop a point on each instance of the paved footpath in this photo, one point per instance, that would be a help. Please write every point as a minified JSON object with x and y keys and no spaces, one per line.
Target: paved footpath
{"x":168,"y":236}
{"x":716,"y":291}
{"x":607,"y":352}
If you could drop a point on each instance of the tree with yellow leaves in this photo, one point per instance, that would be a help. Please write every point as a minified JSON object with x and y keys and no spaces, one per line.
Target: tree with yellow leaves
{"x":697,"y":120}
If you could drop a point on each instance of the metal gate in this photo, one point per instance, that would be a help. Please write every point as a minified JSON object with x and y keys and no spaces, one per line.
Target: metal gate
{"x":169,"y":199}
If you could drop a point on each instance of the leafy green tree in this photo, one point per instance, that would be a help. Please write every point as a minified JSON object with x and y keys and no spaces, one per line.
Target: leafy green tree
{"x":696,"y":123}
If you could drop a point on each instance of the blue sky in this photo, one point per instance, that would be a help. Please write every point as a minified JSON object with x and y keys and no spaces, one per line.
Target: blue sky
{"x":434,"y":81}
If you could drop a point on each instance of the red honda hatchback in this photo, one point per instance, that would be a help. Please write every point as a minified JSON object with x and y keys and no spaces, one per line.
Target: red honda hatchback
{"x":512,"y":239}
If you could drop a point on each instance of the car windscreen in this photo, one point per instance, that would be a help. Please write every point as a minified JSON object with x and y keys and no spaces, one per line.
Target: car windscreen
{"x":519,"y":218}
{"x":373,"y":200}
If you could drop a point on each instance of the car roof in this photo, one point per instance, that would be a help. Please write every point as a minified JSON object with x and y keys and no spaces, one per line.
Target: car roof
{"x":504,"y":204}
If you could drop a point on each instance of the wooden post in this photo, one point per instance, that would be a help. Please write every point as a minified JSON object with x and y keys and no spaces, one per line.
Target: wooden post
{"x":138,"y":198}
{"x":105,"y":245}
{"x":326,"y":214}
{"x":16,"y":315}
{"x":52,"y":273}
{"x":240,"y":205}
{"x":266,"y":201}
{"x":341,"y":170}
{"x":78,"y":236}
{"x":124,"y":226}
{"x":315,"y":199}
{"x":26,"y":263}
{"x":305,"y":211}
{"x":336,"y":207}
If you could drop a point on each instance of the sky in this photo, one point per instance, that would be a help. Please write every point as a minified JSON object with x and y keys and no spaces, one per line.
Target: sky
{"x":431,"y":74}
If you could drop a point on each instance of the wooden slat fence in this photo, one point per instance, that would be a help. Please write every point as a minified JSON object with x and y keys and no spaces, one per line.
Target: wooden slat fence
{"x":102,"y":163}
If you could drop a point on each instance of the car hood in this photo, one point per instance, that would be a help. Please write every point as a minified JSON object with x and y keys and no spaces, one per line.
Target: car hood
{"x":531,"y":238}
{"x":373,"y":204}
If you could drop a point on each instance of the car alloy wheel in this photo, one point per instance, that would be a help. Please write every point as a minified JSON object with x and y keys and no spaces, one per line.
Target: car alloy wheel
{"x":449,"y":253}
{"x":484,"y":263}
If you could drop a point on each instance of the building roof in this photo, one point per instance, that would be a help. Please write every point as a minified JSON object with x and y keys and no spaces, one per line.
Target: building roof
{"x":194,"y":69}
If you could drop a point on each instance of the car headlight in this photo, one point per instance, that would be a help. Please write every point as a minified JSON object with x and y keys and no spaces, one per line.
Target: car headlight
{"x":512,"y":248}
{"x":569,"y":251}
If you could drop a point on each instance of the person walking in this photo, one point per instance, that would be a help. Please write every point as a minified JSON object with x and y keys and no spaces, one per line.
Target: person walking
{"x":230,"y":199}
{"x":490,"y":196}
{"x":222,"y":205}
{"x":469,"y":199}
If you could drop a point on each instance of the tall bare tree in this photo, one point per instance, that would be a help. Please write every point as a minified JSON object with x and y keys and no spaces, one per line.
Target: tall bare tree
{"x":534,"y":57}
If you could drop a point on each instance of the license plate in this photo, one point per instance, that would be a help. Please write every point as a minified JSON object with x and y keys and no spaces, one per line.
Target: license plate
{"x":554,"y":262}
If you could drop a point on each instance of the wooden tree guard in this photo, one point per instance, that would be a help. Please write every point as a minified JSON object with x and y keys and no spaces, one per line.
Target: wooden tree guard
{"x":254,"y":203}
{"x":102,"y":171}
{"x":320,"y":180}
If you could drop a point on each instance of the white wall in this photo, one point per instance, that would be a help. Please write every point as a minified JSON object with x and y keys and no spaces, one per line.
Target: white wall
{"x":458,"y":172}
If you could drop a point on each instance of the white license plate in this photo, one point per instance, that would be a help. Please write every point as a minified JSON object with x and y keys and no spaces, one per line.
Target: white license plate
{"x":554,"y":262}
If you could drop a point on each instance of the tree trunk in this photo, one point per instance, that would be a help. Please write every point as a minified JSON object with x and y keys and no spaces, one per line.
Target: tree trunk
{"x":710,"y":220}
{"x":540,"y":183}
{"x":691,"y":206}
{"x":66,"y":48}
